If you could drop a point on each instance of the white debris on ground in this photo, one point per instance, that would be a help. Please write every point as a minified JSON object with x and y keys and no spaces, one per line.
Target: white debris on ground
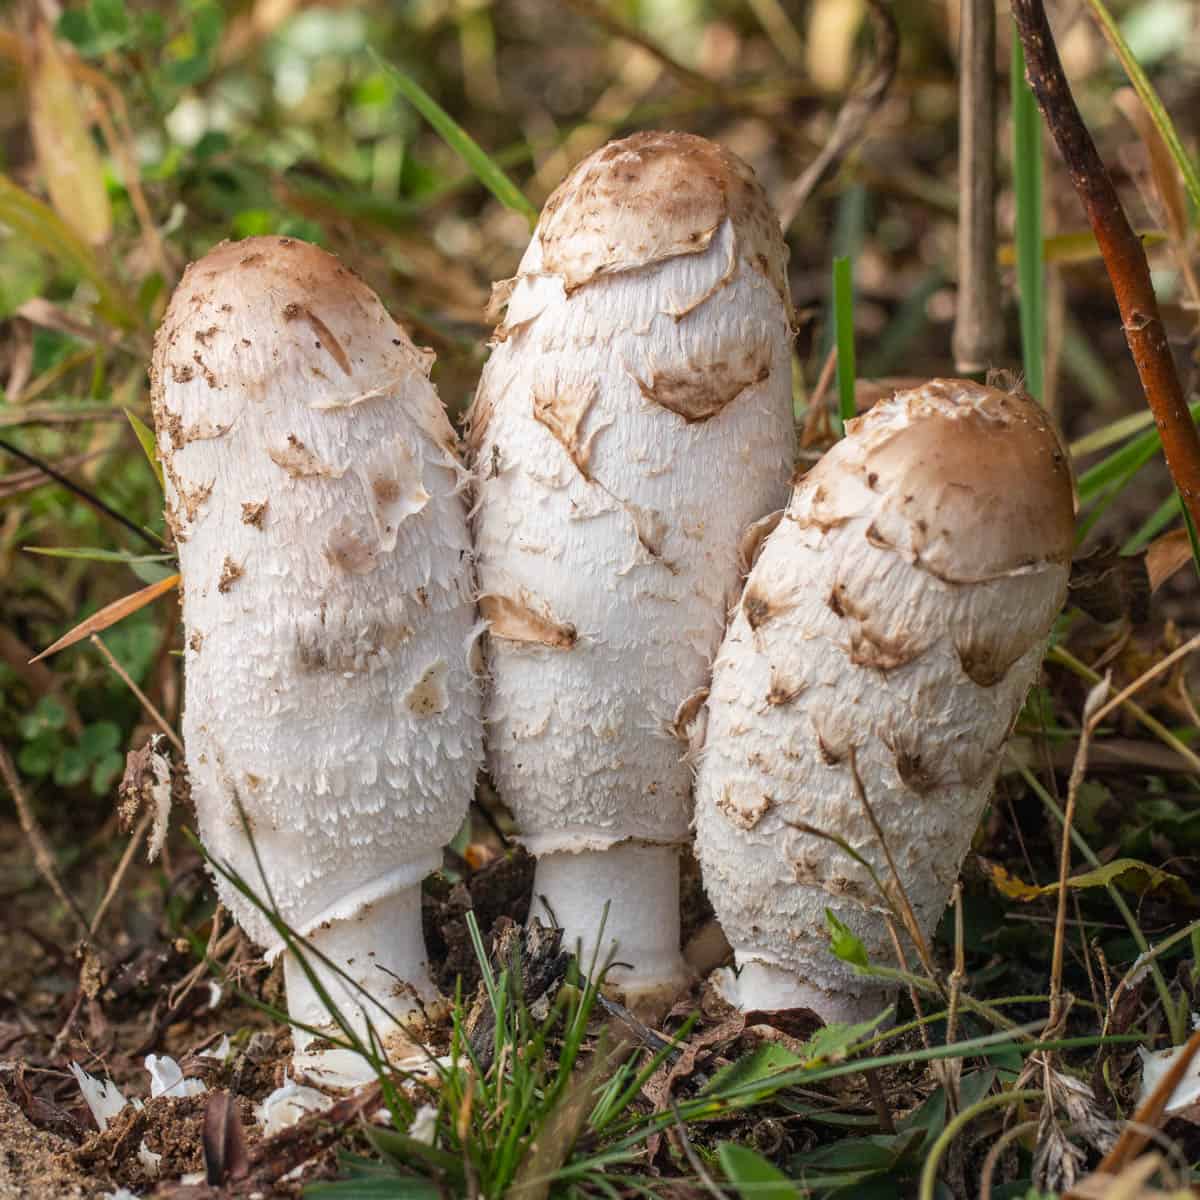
{"x":103,"y":1096}
{"x":424,"y":1124}
{"x":1156,"y":1063}
{"x":166,"y":1078}
{"x":287,"y":1105}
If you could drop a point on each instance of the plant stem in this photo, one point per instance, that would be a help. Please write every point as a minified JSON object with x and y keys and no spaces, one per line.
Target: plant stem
{"x":978,"y":328}
{"x":1123,"y":254}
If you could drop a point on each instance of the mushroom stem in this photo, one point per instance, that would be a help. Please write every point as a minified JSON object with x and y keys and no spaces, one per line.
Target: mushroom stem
{"x":380,"y":951}
{"x":639,"y":882}
{"x":764,"y":987}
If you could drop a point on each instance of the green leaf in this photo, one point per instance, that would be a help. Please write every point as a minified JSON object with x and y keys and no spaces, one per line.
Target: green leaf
{"x":105,"y":771}
{"x":145,"y":437}
{"x":71,"y":768}
{"x":1130,"y":874}
{"x":412,"y":1152}
{"x":759,"y":1063}
{"x":37,"y":758}
{"x":99,"y":739}
{"x":110,"y":17}
{"x":835,"y":1041}
{"x":396,"y":1188}
{"x":95,"y":554}
{"x":843,"y":942}
{"x":456,"y":137}
{"x":49,"y":713}
{"x":752,"y":1176}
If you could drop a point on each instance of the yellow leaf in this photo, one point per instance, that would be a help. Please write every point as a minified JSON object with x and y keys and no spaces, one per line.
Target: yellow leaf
{"x":69,"y":159}
{"x":1128,"y":873}
{"x":1073,"y":247}
{"x":110,"y":614}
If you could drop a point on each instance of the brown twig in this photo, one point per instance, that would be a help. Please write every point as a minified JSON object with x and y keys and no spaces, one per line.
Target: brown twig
{"x":904,"y":906}
{"x":852,"y":117}
{"x":1150,"y":1112}
{"x":42,"y":856}
{"x":1124,"y":257}
{"x":143,"y":699}
{"x":978,"y":327}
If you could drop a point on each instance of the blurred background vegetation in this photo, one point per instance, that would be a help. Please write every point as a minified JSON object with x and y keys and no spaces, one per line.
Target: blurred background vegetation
{"x":133,"y":136}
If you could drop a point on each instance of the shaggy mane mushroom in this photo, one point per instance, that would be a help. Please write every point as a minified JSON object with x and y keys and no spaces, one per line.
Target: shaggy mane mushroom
{"x":891,"y":627}
{"x":634,"y":418}
{"x":331,"y":713}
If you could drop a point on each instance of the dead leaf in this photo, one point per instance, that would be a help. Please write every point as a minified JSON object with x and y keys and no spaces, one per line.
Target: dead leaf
{"x":69,"y":158}
{"x":110,"y":614}
{"x":224,"y":1141}
{"x":1166,"y":555}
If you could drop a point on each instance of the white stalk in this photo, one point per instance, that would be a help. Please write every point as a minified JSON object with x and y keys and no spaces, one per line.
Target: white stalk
{"x":314,"y":494}
{"x":899,"y":612}
{"x":634,"y":418}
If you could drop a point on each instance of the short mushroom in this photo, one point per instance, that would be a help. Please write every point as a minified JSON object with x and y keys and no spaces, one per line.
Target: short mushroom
{"x":891,"y":627}
{"x":332,"y":716}
{"x":634,"y":418}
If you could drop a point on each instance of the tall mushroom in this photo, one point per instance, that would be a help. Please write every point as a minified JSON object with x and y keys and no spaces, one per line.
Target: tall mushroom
{"x":890,"y":628}
{"x":314,"y":494}
{"x":634,"y":418}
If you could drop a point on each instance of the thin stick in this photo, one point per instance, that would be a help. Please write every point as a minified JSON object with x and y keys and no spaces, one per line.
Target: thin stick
{"x":82,"y":492}
{"x":1145,"y":677}
{"x":143,"y":699}
{"x":1060,"y":655}
{"x":1124,"y":257}
{"x":906,"y":909}
{"x":1078,"y":770}
{"x":692,"y":1157}
{"x":902,"y":959}
{"x":879,"y":1101}
{"x":853,"y":116}
{"x":114,"y":884}
{"x":42,"y":856}
{"x":959,"y":975}
{"x":997,"y":1148}
{"x":978,"y":327}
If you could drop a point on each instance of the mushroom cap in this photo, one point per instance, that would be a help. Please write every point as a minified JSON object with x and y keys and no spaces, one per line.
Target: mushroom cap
{"x":974,"y":481}
{"x":251,"y":315}
{"x":653,"y":196}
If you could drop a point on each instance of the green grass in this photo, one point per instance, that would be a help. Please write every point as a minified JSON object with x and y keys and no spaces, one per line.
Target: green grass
{"x":1027,"y":184}
{"x":843,"y":323}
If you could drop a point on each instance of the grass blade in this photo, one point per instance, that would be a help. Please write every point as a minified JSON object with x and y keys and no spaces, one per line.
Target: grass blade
{"x":1027,"y":177}
{"x":93,"y":554}
{"x":1149,"y":97}
{"x":145,"y":437}
{"x":460,"y":141}
{"x":40,"y":224}
{"x":843,"y":322}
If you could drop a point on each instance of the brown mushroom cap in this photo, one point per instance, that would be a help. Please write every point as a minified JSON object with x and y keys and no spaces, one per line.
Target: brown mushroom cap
{"x":236,"y":310}
{"x":977,"y":483}
{"x":653,"y":196}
